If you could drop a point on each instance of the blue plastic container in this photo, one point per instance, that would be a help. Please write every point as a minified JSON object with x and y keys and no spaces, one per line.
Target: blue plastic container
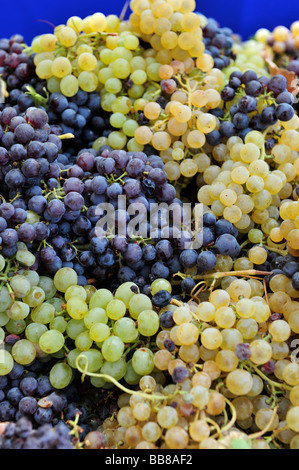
{"x":29,"y":17}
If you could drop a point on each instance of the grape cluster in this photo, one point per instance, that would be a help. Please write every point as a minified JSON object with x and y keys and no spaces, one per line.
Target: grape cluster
{"x":281,"y":42}
{"x":218,"y":355}
{"x":21,"y":435}
{"x":16,"y":67}
{"x":218,"y":42}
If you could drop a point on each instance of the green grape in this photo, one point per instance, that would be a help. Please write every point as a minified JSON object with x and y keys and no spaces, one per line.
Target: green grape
{"x":117,"y":120}
{"x":99,"y":332}
{"x":6,"y":362}
{"x":121,"y":68}
{"x":5,"y":298}
{"x":31,"y":276}
{"x":131,"y":42}
{"x":143,"y":361}
{"x":35,"y":297}
{"x":51,"y":341}
{"x":75,"y":291}
{"x":100,"y":298}
{"x":126,"y":291}
{"x":113,"y":85}
{"x":59,"y":324}
{"x":88,"y":81}
{"x":116,"y":309}
{"x":255,"y":235}
{"x":4,"y":318}
{"x":43,"y":313}
{"x":25,"y":257}
{"x":104,"y":74}
{"x":131,"y":377}
{"x":2,"y":337}
{"x":20,"y":285}
{"x":60,"y":375}
{"x":83,"y":342}
{"x":58,"y":305}
{"x":21,"y":246}
{"x":133,"y":146}
{"x":97,"y":382}
{"x":18,"y":310}
{"x":53,"y":85}
{"x":23,"y":352}
{"x":44,"y":69}
{"x":72,"y":356}
{"x":2,"y":263}
{"x":64,"y":278}
{"x":117,"y":140}
{"x":138,"y":303}
{"x":112,"y":348}
{"x":76,"y":308}
{"x":116,"y":369}
{"x":74,"y":328}
{"x":47,"y":284}
{"x":160,"y":284}
{"x":107,"y":103}
{"x":130,"y":127}
{"x":126,"y":330}
{"x":34,"y":331}
{"x":138,"y":77}
{"x":148,"y":323}
{"x":121,"y":52}
{"x":69,"y":86}
{"x":94,"y":357}
{"x":15,"y":327}
{"x":95,"y":315}
{"x":122,"y":105}
{"x":32,"y":217}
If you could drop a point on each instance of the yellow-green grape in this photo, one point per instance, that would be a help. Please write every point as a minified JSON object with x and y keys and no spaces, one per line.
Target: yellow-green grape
{"x":88,"y":81}
{"x":76,"y":23}
{"x":77,"y":291}
{"x":76,"y":308}
{"x":87,"y":61}
{"x":67,"y":36}
{"x":69,"y":86}
{"x":51,"y":341}
{"x":44,"y":69}
{"x":23,"y":352}
{"x":6,"y":363}
{"x":61,"y":67}
{"x":60,"y":375}
{"x":148,"y":322}
{"x":98,"y":22}
{"x":126,"y":291}
{"x":95,"y":315}
{"x":112,"y":348}
{"x":245,"y":308}
{"x":138,"y":303}
{"x":99,"y":332}
{"x":64,"y":278}
{"x":100,"y":299}
{"x":116,"y":309}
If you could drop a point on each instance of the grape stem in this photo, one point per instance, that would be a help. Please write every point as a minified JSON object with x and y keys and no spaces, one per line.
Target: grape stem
{"x":270,"y":382}
{"x":231,"y":421}
{"x":219,"y":275}
{"x":256,"y":435}
{"x":117,"y":384}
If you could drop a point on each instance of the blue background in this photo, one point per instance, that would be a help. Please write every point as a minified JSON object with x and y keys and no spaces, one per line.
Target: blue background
{"x":243,"y":16}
